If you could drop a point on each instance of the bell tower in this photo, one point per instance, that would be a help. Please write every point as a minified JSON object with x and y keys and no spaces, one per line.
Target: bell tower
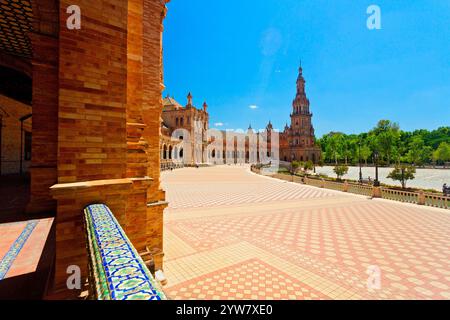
{"x":301,"y":124}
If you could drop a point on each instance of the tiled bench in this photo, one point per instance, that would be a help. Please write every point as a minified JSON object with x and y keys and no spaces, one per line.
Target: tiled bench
{"x":116,"y":270}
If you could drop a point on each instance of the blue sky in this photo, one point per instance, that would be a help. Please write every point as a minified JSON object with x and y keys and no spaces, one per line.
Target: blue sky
{"x":240,"y":53}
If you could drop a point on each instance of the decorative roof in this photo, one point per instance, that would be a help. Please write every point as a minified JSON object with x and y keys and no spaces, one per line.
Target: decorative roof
{"x":171,"y":102}
{"x":15,"y":23}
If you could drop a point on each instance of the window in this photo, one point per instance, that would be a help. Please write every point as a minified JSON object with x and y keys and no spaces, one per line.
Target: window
{"x":181,"y":121}
{"x":176,"y":121}
{"x":27,"y":147}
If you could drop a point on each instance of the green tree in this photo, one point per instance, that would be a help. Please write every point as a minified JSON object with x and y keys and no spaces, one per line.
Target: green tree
{"x":402,"y":173}
{"x":366,"y":152}
{"x":340,"y":170}
{"x":442,"y":153}
{"x":393,"y":145}
{"x":308,"y":166}
{"x":336,"y":146}
{"x":293,"y":167}
{"x":418,"y":153}
{"x":385,"y":137}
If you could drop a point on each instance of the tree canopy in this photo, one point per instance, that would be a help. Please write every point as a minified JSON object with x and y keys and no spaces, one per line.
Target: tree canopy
{"x":393,"y":145}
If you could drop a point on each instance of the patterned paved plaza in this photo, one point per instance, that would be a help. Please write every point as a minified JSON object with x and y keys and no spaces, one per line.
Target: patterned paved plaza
{"x":231,"y":234}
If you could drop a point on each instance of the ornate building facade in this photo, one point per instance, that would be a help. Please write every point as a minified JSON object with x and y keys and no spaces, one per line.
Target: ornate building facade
{"x":176,"y":123}
{"x":297,"y":140}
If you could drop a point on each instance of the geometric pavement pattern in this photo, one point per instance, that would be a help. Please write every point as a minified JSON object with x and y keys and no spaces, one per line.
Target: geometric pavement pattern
{"x":250,"y":280}
{"x":332,"y":237}
{"x":223,"y":190}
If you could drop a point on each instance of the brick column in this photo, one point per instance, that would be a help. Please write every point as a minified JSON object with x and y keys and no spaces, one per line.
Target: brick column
{"x":137,"y":158}
{"x":154,"y":12}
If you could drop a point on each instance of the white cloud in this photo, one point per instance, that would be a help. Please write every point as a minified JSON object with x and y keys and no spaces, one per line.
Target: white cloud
{"x":253,"y":107}
{"x":218,"y":124}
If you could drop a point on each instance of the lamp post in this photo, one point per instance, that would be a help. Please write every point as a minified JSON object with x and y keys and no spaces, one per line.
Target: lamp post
{"x":360,"y":168}
{"x":376,"y":183}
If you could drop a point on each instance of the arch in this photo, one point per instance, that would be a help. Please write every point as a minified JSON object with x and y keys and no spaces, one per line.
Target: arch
{"x":16,"y":85}
{"x":19,"y":64}
{"x":170,"y":152}
{"x":181,"y":153}
{"x":213,"y":154}
{"x":164,"y":152}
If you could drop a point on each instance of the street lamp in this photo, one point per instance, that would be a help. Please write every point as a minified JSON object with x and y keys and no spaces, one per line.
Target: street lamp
{"x":376,"y":183}
{"x":360,"y":168}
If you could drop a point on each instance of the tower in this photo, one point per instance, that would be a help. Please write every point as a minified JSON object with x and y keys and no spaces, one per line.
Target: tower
{"x":189,"y":99}
{"x":301,"y":124}
{"x":297,"y":140}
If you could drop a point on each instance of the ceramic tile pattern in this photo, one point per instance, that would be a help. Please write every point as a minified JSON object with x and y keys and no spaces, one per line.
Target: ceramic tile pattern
{"x":230,"y":234}
{"x":118,"y":270}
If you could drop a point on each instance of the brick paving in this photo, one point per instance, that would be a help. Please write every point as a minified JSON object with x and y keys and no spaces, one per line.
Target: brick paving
{"x":230,"y":234}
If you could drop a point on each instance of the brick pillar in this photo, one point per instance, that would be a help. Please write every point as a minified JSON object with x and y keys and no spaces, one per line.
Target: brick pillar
{"x":45,"y":123}
{"x":137,"y":158}
{"x":154,"y":12}
{"x":421,"y":198}
{"x":376,"y":192}
{"x":92,"y":131}
{"x":346,"y":186}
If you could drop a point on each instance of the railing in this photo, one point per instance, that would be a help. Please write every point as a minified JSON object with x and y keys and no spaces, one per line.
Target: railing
{"x":437,"y":201}
{"x":360,"y":189}
{"x":314,"y":182}
{"x":171,"y":166}
{"x":116,"y":271}
{"x":421,"y":198}
{"x":334,"y":185}
{"x":398,"y":195}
